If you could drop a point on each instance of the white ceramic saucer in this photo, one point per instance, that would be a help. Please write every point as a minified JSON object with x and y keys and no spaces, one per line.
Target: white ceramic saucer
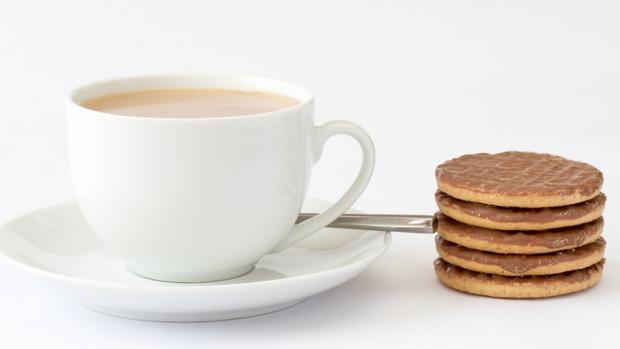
{"x":56,"y":246}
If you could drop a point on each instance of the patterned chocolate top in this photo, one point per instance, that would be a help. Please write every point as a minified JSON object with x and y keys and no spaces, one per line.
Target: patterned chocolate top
{"x":516,"y":173}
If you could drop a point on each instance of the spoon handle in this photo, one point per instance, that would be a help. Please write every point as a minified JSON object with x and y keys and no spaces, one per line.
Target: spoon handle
{"x":422,"y":224}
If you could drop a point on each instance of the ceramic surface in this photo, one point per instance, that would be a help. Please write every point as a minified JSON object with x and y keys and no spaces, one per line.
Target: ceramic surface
{"x":57,"y":248}
{"x":166,"y":194}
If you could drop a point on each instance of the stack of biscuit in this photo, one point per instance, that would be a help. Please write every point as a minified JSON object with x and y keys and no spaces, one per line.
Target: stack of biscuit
{"x":519,"y":225}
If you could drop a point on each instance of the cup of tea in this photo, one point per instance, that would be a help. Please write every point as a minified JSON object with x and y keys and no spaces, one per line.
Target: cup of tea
{"x":194,"y":178}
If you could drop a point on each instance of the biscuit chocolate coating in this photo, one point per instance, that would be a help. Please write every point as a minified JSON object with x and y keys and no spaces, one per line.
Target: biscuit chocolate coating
{"x":518,"y":264}
{"x":517,"y":286}
{"x":517,"y":241}
{"x":519,"y":179}
{"x":505,"y":218}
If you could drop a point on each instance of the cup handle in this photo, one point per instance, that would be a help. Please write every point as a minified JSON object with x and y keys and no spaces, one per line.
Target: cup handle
{"x":322,"y":133}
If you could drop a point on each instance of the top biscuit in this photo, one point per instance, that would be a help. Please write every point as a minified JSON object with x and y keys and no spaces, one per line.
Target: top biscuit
{"x":519,"y":179}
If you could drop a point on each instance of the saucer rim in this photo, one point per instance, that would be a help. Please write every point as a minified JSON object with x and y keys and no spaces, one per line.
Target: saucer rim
{"x":198,"y":287}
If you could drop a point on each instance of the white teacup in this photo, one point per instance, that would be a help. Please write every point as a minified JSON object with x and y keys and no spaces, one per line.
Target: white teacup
{"x":201,"y":199}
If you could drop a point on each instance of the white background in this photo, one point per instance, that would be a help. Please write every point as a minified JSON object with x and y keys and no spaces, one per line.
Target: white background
{"x":430,"y":80}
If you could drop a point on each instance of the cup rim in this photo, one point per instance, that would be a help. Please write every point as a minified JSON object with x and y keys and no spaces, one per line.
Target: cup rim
{"x":304,"y":95}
